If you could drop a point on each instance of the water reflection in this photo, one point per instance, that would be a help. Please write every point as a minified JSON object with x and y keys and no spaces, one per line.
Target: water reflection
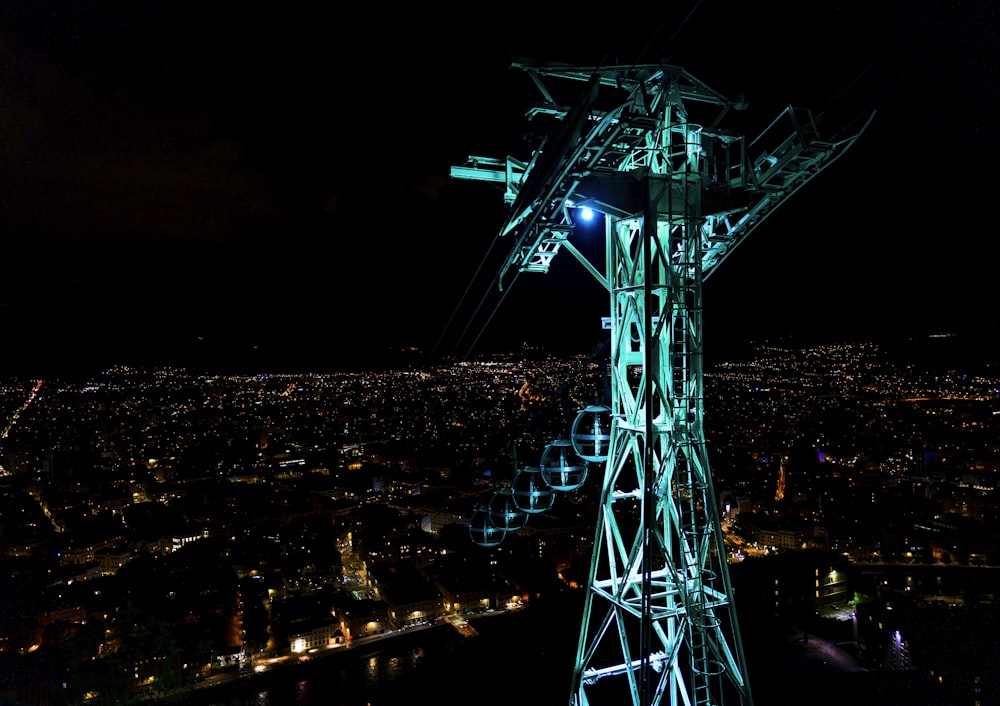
{"x":375,"y":679}
{"x":437,"y":665}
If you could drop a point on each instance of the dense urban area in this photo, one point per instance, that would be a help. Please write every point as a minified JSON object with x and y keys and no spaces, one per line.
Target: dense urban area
{"x":163,"y":527}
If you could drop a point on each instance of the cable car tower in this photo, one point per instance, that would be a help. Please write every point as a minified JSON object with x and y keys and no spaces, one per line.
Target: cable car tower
{"x":644,"y":146}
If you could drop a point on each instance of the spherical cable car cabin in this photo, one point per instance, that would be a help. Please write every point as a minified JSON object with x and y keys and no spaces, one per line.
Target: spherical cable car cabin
{"x":482,"y":531}
{"x":562,"y":469}
{"x":591,"y":435}
{"x":530,"y":491}
{"x":504,"y":512}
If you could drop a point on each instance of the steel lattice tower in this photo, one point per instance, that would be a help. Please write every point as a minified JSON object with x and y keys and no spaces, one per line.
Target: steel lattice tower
{"x":644,"y":146}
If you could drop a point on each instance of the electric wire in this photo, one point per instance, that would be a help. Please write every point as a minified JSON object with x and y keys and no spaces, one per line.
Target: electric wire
{"x":489,"y":319}
{"x":461,"y":302}
{"x":663,"y":25}
{"x":476,"y":275}
{"x":908,"y":64}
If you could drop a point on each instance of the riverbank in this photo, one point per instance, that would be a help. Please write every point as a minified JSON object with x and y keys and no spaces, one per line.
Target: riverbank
{"x":279,"y":672}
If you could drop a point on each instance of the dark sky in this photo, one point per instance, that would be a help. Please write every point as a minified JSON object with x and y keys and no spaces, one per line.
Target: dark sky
{"x":264,"y":184}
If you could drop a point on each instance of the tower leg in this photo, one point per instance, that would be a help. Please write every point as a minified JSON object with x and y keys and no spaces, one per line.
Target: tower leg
{"x":659,"y":624}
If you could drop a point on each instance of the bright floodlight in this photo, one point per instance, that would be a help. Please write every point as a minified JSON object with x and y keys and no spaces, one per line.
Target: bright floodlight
{"x":587,"y":213}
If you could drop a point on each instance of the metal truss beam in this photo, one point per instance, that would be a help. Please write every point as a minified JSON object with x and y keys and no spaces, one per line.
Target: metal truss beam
{"x":643,"y":146}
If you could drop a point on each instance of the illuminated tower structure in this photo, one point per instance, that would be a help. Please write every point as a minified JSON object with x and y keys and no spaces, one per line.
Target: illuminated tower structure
{"x":644,"y":146}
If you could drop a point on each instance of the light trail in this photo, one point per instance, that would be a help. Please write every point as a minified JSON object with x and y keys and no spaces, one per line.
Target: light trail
{"x":6,"y":432}
{"x":31,"y":398}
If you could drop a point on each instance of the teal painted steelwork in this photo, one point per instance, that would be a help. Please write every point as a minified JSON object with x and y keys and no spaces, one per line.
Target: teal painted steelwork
{"x":644,"y":146}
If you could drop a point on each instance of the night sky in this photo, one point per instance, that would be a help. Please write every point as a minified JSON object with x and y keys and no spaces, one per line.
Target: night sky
{"x":263,"y":185}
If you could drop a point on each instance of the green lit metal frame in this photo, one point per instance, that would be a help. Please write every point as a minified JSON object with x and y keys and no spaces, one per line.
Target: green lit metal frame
{"x":659,"y":623}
